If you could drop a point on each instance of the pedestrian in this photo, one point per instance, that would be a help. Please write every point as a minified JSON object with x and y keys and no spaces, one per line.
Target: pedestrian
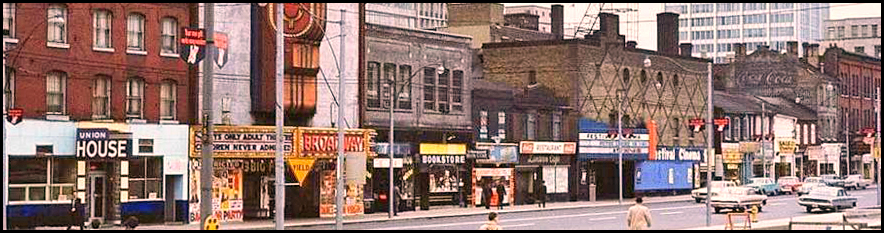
{"x":397,"y":195}
{"x":540,"y":191}
{"x":76,"y":214}
{"x":131,"y":223}
{"x":486,"y":194}
{"x":492,"y":224}
{"x":638,"y":217}
{"x":501,"y":193}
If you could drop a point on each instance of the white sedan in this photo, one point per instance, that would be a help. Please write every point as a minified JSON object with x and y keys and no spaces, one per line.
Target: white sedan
{"x":830,"y":198}
{"x":699,"y":194}
{"x":738,"y":199}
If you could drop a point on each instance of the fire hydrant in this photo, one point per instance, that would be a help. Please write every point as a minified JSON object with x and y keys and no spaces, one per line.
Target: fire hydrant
{"x":753,"y":214}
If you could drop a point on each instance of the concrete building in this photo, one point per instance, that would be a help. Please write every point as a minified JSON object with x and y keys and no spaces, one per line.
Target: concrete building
{"x":543,"y":13}
{"x":485,"y":22}
{"x":331,"y":58}
{"x":408,"y":15}
{"x":90,"y":77}
{"x":713,"y":28}
{"x":856,"y":35}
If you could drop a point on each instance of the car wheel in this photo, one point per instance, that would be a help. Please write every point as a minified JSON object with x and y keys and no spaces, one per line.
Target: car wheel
{"x":864,"y":187}
{"x":854,"y":204}
{"x":698,"y":200}
{"x":809,"y":209}
{"x":717,"y":210}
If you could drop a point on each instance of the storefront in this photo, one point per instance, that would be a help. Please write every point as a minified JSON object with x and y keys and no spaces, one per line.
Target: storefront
{"x":549,"y":164}
{"x":812,"y":165}
{"x":244,"y":161}
{"x":497,"y":167}
{"x":441,"y":170}
{"x":598,"y":159}
{"x":764,"y":160}
{"x":831,"y":161}
{"x":732,"y":160}
{"x":404,"y":175}
{"x":785,"y":160}
{"x":671,"y":170}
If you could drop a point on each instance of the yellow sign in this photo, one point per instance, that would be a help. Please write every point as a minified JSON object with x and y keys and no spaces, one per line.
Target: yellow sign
{"x":443,"y":149}
{"x":787,"y":146}
{"x":301,"y":167}
{"x":731,"y":153}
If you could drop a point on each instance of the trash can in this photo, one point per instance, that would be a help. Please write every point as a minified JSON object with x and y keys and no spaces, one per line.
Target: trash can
{"x":369,"y":205}
{"x":592,"y":192}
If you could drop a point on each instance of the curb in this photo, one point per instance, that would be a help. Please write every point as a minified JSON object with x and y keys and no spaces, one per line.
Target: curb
{"x":331,"y":222}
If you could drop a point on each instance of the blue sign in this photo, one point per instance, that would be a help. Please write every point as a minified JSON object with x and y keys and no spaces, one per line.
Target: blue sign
{"x":680,"y":154}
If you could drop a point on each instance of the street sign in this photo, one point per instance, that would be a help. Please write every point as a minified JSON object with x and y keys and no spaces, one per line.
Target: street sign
{"x":697,"y":123}
{"x":721,"y":123}
{"x":221,"y":44}
{"x":192,"y":45}
{"x":14,"y":115}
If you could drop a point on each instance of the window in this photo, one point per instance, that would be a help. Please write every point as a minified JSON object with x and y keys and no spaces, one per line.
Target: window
{"x":373,"y":90}
{"x":676,"y":128}
{"x":429,"y":89}
{"x":625,"y":77}
{"x":102,"y":23}
{"x":683,"y":23}
{"x":101,"y":92}
{"x":145,"y":146}
{"x":9,"y":88}
{"x":168,"y":95}
{"x":135,"y":32}
{"x":728,"y":7}
{"x":878,"y":51}
{"x":753,"y":19}
{"x":701,"y":8}
{"x":729,"y":20}
{"x":29,"y":179}
{"x":683,"y":35}
{"x":781,"y":6}
{"x":854,"y":31}
{"x":145,"y":178}
{"x":865,"y":30}
{"x":55,"y":90}
{"x":753,"y":32}
{"x":859,"y":49}
{"x":699,"y":22}
{"x":404,"y":83}
{"x":675,"y":80}
{"x":840,"y":32}
{"x":736,"y":128}
{"x":501,"y":125}
{"x":782,"y":18}
{"x":169,"y":36}
{"x":389,"y":77}
{"x":529,"y":126}
{"x":782,"y":31}
{"x":457,"y":91}
{"x":702,"y":35}
{"x":875,"y":30}
{"x":680,"y":9}
{"x":483,"y":124}
{"x":8,"y":19}
{"x":134,"y":97}
{"x":754,"y":6}
{"x":557,"y":126}
{"x":726,"y":34}
{"x":442,"y":91}
{"x":56,"y":21}
{"x":830,"y":33}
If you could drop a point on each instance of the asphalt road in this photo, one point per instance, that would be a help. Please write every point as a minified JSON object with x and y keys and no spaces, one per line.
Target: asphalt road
{"x":665,"y":216}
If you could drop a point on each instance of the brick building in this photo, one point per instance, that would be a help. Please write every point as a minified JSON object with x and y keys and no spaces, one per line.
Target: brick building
{"x":104,"y":74}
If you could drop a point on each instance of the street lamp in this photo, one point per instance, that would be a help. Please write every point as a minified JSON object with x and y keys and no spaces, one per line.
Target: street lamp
{"x":395,"y":92}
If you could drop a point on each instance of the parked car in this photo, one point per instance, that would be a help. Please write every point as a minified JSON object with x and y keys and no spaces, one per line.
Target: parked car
{"x":699,"y":194}
{"x":809,"y":180}
{"x":789,"y":184}
{"x":829,"y":198}
{"x":833,"y":180}
{"x":807,"y":187}
{"x":738,"y":199}
{"x":856,"y":182}
{"x":764,"y":186}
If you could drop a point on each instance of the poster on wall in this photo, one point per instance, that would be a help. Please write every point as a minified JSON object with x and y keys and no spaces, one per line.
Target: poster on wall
{"x":352,"y":201}
{"x":556,"y":179}
{"x":443,"y":180}
{"x":226,"y":191}
{"x":496,"y":174}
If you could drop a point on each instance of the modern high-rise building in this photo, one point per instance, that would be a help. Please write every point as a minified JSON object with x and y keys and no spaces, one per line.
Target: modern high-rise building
{"x":856,"y":35}
{"x":713,"y":28}
{"x":540,"y":11}
{"x":408,"y":15}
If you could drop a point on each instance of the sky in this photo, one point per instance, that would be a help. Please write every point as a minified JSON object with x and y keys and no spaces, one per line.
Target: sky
{"x":647,"y":14}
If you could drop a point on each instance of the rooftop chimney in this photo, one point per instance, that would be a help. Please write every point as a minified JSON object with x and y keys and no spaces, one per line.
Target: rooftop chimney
{"x":610,"y":24}
{"x":557,"y":19}
{"x":792,"y":48}
{"x":739,"y":51}
{"x":631,"y":44}
{"x":686,"y":49}
{"x":667,"y":33}
{"x":812,"y":54}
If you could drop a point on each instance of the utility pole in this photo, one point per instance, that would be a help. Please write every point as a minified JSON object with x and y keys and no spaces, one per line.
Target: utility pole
{"x":339,"y":169}
{"x":206,"y":171}
{"x":763,"y":143}
{"x":710,"y":150}
{"x":847,"y":140}
{"x":620,"y":143}
{"x":390,"y":151}
{"x":5,"y":157}
{"x":877,"y":145}
{"x":280,"y":163}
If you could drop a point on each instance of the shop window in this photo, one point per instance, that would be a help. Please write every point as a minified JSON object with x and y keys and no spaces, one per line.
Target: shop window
{"x":146,"y":178}
{"x":64,"y":177}
{"x":29,"y":179}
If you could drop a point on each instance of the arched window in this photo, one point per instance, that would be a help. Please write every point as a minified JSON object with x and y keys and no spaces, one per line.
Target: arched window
{"x":625,"y":77}
{"x":660,"y":78}
{"x":644,"y":77}
{"x":675,"y":80}
{"x":101,"y":35}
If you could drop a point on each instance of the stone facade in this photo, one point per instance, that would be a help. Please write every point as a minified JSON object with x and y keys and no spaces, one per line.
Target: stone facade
{"x":327,"y":80}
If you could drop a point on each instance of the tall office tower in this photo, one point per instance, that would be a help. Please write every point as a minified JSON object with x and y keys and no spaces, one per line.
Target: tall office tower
{"x":408,"y":15}
{"x":713,"y":28}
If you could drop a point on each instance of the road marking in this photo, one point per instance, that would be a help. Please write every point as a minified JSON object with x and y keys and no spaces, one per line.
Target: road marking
{"x":776,"y":204}
{"x":671,"y":213}
{"x":520,"y":225}
{"x":599,"y":219}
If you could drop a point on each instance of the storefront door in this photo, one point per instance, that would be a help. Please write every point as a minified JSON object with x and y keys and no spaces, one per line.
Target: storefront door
{"x":97,"y":194}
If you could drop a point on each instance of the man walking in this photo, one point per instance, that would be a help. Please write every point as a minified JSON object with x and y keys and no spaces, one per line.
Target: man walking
{"x":638,"y":217}
{"x":396,"y":198}
{"x":76,"y":215}
{"x":501,"y":193}
{"x":486,"y":194}
{"x":540,"y":191}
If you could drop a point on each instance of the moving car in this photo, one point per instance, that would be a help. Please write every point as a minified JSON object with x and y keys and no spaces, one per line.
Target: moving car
{"x":789,"y":184}
{"x":829,"y":198}
{"x":738,"y":199}
{"x":807,"y":187}
{"x":764,"y":186}
{"x":833,"y":180}
{"x":856,"y":182}
{"x":699,"y":194}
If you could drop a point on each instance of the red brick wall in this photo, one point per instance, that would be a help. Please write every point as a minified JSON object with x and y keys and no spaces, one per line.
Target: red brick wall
{"x":33,"y":59}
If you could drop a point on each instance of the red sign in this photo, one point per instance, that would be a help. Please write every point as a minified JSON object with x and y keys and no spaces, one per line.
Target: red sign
{"x":721,"y":123}
{"x":697,"y":122}
{"x":328,"y":143}
{"x":15,"y":115}
{"x":194,"y":36}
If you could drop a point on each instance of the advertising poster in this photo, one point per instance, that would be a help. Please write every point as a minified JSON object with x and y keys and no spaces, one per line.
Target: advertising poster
{"x":443,"y":180}
{"x":226,"y":192}
{"x":352,"y":201}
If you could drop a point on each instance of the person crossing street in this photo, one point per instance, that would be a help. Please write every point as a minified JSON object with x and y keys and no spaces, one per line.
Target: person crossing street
{"x":638,"y":217}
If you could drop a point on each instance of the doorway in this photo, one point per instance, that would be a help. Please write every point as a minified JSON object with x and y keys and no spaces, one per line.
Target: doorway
{"x":96,"y":195}
{"x":172,"y":181}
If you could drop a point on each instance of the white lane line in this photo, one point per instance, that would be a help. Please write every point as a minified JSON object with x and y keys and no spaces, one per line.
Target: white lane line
{"x":670,"y":213}
{"x":600,"y":219}
{"x":527,"y":219}
{"x":776,"y":204}
{"x":519,"y":225}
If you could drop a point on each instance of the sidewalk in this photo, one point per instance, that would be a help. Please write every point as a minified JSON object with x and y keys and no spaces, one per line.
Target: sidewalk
{"x":434,"y":212}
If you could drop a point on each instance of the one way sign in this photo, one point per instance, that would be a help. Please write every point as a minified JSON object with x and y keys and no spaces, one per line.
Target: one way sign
{"x":15,"y":116}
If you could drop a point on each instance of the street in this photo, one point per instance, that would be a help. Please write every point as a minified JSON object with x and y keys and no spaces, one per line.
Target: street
{"x":665,"y":216}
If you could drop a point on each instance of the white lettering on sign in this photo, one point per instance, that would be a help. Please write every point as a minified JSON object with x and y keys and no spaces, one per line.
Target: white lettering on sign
{"x":442,"y":159}
{"x":689,"y":155}
{"x":548,"y":147}
{"x":112,"y":148}
{"x":665,"y":154}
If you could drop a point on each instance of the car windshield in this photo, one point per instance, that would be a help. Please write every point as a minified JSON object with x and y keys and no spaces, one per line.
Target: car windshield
{"x":737,"y":191}
{"x":788,"y":180}
{"x":758,"y":181}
